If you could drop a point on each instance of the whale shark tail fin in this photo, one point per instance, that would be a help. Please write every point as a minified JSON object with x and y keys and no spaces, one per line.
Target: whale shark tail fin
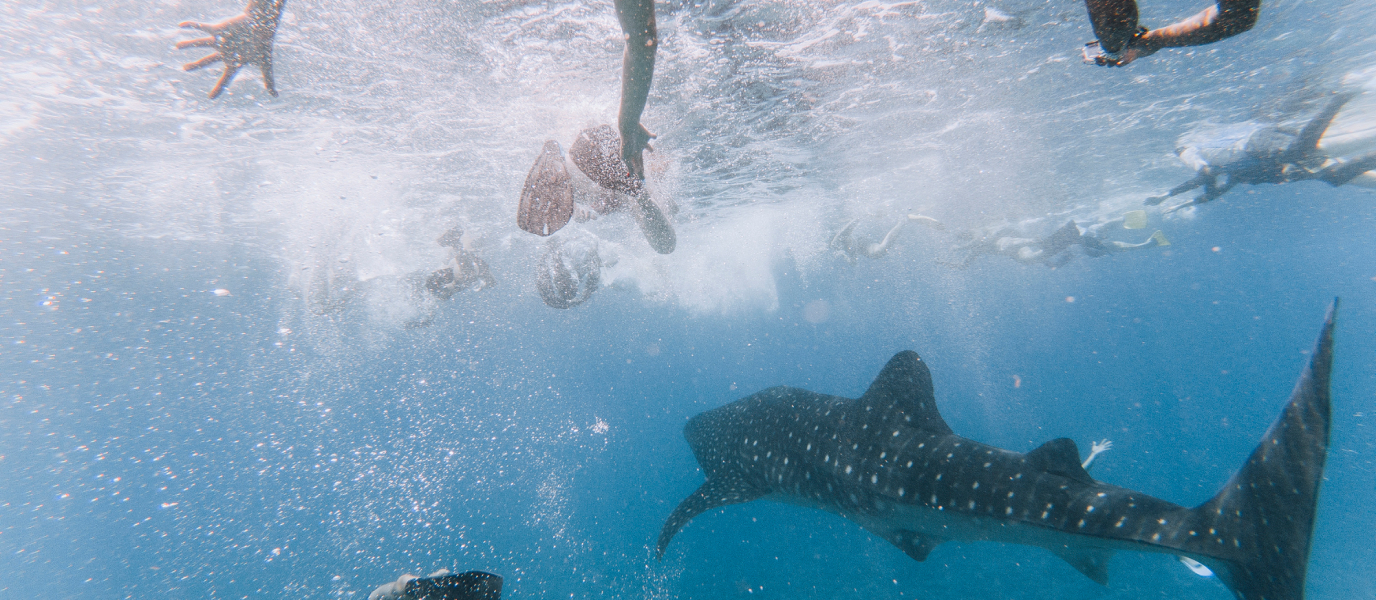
{"x":1256,"y":532}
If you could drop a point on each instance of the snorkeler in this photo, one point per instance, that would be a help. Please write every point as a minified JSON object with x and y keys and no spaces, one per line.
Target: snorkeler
{"x":244,"y":39}
{"x":1267,"y":154}
{"x":852,"y":248}
{"x":1052,"y":250}
{"x":465,"y":271}
{"x":1122,"y":40}
{"x":441,"y":585}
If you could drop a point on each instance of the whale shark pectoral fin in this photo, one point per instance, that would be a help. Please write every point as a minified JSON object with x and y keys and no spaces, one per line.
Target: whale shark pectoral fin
{"x":1060,"y":457}
{"x":715,"y":492}
{"x":1093,"y":562}
{"x":912,"y":543}
{"x":902,"y":394}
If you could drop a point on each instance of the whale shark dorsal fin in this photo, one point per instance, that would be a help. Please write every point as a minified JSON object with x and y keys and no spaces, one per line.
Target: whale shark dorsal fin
{"x":903,"y":392}
{"x":1060,"y":457}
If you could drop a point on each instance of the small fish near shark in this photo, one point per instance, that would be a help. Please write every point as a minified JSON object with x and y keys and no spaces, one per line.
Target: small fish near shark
{"x":888,"y":462}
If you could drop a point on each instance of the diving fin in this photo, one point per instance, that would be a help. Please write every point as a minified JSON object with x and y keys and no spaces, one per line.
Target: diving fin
{"x":597,"y":153}
{"x":1161,"y":239}
{"x":654,"y":224}
{"x":1135,"y":219}
{"x":547,"y":197}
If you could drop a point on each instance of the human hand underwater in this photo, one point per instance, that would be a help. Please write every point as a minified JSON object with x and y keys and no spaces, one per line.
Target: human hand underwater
{"x":244,"y":39}
{"x":1099,"y":447}
{"x":633,"y":142}
{"x":1142,"y":44}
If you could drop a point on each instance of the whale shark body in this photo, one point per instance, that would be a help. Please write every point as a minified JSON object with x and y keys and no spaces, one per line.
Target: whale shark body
{"x":888,"y":462}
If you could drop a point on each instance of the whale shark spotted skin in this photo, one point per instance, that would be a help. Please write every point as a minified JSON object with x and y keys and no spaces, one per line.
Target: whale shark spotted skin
{"x":888,"y":462}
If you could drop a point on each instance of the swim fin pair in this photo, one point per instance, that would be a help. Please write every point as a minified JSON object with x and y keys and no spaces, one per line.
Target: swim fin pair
{"x":547,"y":198}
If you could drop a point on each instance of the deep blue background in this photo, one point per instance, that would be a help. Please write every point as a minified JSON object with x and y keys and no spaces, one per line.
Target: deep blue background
{"x":160,"y":440}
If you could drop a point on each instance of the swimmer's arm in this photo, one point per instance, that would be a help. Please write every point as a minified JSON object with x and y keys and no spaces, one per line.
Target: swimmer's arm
{"x":637,"y":71}
{"x":1095,"y":449}
{"x":1226,"y":19}
{"x":882,"y":248}
{"x":1203,"y":178}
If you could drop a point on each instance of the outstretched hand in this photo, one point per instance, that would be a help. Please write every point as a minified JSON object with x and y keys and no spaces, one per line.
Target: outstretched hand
{"x":1095,"y":449}
{"x":633,"y":142}
{"x":244,"y":39}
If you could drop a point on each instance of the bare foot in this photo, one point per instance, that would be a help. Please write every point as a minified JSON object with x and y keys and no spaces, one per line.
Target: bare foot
{"x":244,"y":39}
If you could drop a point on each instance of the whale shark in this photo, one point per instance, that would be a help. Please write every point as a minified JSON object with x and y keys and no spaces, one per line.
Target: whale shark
{"x":888,"y":462}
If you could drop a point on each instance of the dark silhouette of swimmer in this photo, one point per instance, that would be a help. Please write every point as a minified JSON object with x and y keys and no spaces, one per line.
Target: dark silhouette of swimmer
{"x":547,"y":197}
{"x":441,"y":585}
{"x":1271,"y":155}
{"x":465,"y":271}
{"x":1052,"y":250}
{"x":244,"y":39}
{"x":569,"y":271}
{"x":1122,"y":40}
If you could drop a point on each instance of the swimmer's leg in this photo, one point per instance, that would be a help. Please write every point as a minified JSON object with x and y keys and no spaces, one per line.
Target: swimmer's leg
{"x":928,"y":221}
{"x":1342,"y":173}
{"x":1156,"y":239}
{"x":841,"y":241}
{"x":1203,"y":178}
{"x":844,"y":242}
{"x":1308,"y":140}
{"x":882,"y":248}
{"x":637,"y":70}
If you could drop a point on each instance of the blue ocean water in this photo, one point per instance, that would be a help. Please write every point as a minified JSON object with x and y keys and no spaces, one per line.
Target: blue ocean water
{"x":210,"y":388}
